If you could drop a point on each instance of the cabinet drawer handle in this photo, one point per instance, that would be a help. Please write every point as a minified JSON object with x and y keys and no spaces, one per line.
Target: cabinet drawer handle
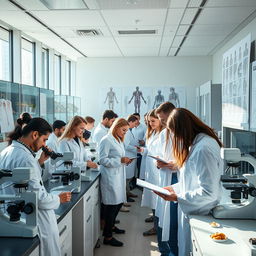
{"x":88,"y":198}
{"x":63,"y":230}
{"x":88,"y":218}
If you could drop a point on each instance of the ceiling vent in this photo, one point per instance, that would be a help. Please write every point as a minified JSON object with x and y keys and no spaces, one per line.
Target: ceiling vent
{"x":137,"y":32}
{"x":89,"y":32}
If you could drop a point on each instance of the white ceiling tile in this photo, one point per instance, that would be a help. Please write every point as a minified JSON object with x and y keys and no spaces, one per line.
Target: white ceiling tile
{"x":107,"y":52}
{"x":164,"y":51}
{"x":198,"y":41}
{"x":115,"y":29}
{"x":177,"y":40}
{"x":225,"y":15}
{"x":178,"y":3}
{"x":219,"y":29}
{"x":133,"y":4}
{"x":7,"y":6}
{"x":155,"y":17}
{"x":189,"y":15}
{"x":199,"y":51}
{"x":32,"y":5}
{"x":170,"y":30}
{"x":194,"y":3}
{"x":138,"y":42}
{"x":172,"y":51}
{"x":182,"y":29}
{"x":145,"y":51}
{"x":70,"y":18}
{"x":174,"y":16}
{"x":218,"y":3}
{"x":167,"y":41}
{"x":97,"y":42}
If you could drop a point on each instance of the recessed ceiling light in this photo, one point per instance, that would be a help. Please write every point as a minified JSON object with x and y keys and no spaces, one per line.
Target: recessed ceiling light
{"x":64,"y":4}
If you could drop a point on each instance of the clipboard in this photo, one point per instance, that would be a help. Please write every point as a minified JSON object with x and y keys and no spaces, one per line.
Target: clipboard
{"x":158,"y":159}
{"x":152,"y":187}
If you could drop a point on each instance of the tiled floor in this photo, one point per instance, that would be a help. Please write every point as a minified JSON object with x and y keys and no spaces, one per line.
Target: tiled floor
{"x":135,"y":244}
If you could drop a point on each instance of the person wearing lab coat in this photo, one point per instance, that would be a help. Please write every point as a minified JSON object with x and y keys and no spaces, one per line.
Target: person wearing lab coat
{"x":21,"y":153}
{"x":113,"y":177}
{"x":70,"y":141}
{"x":88,"y":127}
{"x":131,"y":146}
{"x":196,"y":151}
{"x":102,"y":128}
{"x":166,"y":212}
{"x":58,"y":127}
{"x":151,"y":172}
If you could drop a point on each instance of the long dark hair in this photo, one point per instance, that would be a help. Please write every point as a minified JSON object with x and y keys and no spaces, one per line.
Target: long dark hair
{"x":185,"y":126}
{"x":35,"y":124}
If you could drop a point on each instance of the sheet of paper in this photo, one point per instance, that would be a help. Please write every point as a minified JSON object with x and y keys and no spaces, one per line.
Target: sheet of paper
{"x":153,"y":187}
{"x":158,"y":159}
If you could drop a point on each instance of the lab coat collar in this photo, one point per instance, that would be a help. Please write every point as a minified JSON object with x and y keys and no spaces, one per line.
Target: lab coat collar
{"x":19,"y":144}
{"x":103,"y":127}
{"x":112,"y":138}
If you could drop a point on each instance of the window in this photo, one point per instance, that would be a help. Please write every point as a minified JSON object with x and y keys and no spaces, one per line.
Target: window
{"x":27,"y":62}
{"x":45,"y":68}
{"x":57,"y":74}
{"x":4,"y":54}
{"x":66,"y":91}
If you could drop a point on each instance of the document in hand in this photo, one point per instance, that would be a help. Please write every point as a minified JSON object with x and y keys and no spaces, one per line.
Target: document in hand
{"x":153,"y":187}
{"x":158,"y":159}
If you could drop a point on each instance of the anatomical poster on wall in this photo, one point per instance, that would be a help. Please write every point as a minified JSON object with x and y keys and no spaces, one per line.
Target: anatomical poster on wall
{"x":6,"y":116}
{"x":235,"y":85}
{"x":128,"y":100}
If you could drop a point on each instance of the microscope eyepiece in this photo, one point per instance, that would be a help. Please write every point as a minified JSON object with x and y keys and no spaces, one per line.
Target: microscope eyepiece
{"x":51,"y":154}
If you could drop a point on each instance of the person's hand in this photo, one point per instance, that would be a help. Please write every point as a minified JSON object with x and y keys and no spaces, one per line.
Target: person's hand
{"x":92,"y":165}
{"x":170,"y":165}
{"x":125,"y":160}
{"x":171,"y":197}
{"x":65,"y":197}
{"x":43,"y":157}
{"x":140,"y":149}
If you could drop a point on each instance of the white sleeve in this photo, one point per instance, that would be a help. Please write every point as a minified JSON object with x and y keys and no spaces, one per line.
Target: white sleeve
{"x":128,"y":146}
{"x":104,"y":156}
{"x":208,"y":177}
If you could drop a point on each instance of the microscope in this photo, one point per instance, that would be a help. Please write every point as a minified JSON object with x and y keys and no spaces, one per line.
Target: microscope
{"x":14,"y":204}
{"x":243,"y":189}
{"x":68,"y":175}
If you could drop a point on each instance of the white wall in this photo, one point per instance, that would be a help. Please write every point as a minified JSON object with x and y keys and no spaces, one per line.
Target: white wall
{"x":96,"y":73}
{"x":217,"y":57}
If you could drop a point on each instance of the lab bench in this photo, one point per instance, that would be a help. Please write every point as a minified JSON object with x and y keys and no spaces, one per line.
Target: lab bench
{"x":78,"y":222}
{"x":238,"y":232}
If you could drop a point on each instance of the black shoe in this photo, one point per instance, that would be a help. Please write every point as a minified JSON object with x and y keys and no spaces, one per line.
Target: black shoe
{"x":113,"y":242}
{"x":150,"y":232}
{"x":149,"y":219}
{"x":117,"y":221}
{"x":130,"y":200}
{"x":118,"y":231}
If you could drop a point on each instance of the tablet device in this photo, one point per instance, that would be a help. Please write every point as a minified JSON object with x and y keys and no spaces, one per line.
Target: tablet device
{"x":153,"y":187}
{"x":158,"y":159}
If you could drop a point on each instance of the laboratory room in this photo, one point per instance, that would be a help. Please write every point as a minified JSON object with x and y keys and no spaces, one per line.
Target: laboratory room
{"x":127,"y":127}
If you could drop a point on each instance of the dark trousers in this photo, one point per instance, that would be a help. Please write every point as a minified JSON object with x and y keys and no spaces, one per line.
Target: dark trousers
{"x":110,"y":213}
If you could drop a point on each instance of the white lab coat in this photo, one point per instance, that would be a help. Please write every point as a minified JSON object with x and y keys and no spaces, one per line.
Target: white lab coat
{"x":130,"y":144}
{"x":113,"y":178}
{"x":143,"y":164}
{"x":17,"y":155}
{"x":53,"y":144}
{"x":99,"y":132}
{"x":139,"y":132}
{"x":165,"y":178}
{"x":80,"y":155}
{"x":151,"y":171}
{"x":199,"y":187}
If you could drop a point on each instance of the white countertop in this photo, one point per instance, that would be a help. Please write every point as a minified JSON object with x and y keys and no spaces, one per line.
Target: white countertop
{"x":238,"y":232}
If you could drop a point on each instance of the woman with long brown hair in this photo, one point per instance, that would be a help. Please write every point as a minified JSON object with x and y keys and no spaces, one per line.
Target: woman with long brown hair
{"x":151,"y":172}
{"x":70,"y":141}
{"x":113,"y":178}
{"x":196,"y":152}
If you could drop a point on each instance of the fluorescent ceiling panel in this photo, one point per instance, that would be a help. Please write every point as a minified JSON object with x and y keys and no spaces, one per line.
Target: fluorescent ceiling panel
{"x":134,"y":18}
{"x":64,"y":4}
{"x":133,"y":4}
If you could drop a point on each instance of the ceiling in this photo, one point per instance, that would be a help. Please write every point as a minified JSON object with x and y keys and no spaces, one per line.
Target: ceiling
{"x":171,"y":20}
